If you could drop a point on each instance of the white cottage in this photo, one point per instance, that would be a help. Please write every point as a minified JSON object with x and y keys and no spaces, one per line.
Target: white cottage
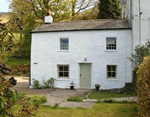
{"x":86,"y":52}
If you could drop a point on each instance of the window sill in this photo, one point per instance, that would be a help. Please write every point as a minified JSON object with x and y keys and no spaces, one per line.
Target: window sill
{"x":111,"y":50}
{"x":62,"y":79}
{"x":112,"y":80}
{"x":63,"y":51}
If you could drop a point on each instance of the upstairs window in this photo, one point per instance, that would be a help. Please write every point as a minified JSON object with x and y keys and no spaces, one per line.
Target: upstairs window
{"x":111,"y":71}
{"x":63,"y":71}
{"x":111,"y":43}
{"x":64,"y":44}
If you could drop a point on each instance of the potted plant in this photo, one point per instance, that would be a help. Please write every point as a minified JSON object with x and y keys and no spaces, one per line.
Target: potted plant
{"x":72,"y":85}
{"x":97,"y":86}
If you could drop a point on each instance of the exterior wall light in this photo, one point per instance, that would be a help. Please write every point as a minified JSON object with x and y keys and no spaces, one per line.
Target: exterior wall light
{"x":85,"y":59}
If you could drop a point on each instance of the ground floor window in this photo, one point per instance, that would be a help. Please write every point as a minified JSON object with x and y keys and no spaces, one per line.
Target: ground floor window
{"x":63,"y":71}
{"x":111,"y":71}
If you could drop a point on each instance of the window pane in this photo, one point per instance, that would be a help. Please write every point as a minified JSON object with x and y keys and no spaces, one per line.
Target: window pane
{"x":60,"y":74}
{"x":109,"y":74}
{"x":60,"y":68}
{"x":111,"y":40}
{"x":114,"y":68}
{"x":109,"y":68}
{"x":64,"y":41}
{"x":111,"y":43}
{"x":66,"y":74}
{"x":65,"y":68}
{"x":113,"y":74}
{"x":64,"y":44}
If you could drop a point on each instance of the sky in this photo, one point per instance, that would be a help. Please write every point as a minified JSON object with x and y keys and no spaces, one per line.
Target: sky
{"x":4,"y":6}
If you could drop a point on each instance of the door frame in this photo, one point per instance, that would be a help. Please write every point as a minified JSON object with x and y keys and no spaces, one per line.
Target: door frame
{"x":91,"y":74}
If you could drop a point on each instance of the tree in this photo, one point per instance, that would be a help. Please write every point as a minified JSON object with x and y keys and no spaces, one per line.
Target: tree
{"x":7,"y":99}
{"x":137,"y":58}
{"x":140,"y":53}
{"x":109,"y":9}
{"x":61,"y":10}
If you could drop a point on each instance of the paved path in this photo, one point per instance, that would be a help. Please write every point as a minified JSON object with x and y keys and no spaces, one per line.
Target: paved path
{"x":129,"y":99}
{"x":60,"y":95}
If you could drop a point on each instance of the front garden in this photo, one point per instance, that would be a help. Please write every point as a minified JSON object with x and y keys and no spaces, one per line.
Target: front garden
{"x":104,"y":94}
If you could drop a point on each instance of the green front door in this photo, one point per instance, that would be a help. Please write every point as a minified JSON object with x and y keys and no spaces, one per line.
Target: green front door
{"x":85,"y":75}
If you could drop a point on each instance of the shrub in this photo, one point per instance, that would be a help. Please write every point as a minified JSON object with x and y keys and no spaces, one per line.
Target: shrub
{"x":143,"y":87}
{"x":75,"y":99}
{"x":49,"y":83}
{"x":129,"y":87}
{"x":109,"y":101}
{"x":55,"y":106}
{"x":37,"y":99}
{"x":36,"y":84}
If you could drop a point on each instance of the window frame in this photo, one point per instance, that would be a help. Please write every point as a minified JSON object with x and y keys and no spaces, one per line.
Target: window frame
{"x":61,"y":44}
{"x":63,"y":71}
{"x":107,"y":46}
{"x":109,"y":78}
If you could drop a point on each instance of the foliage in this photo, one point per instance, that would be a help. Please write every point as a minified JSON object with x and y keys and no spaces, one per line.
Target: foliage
{"x":30,"y":24}
{"x":137,"y":58}
{"x":97,"y":85}
{"x":49,"y":83}
{"x":55,"y":106}
{"x":115,"y":101}
{"x":140,"y":53}
{"x":46,"y":84}
{"x":7,"y":96}
{"x":129,"y":87}
{"x":143,"y":87}
{"x":27,"y":109}
{"x":109,"y":9}
{"x":61,"y":10}
{"x":23,"y":69}
{"x":36,"y":84}
{"x":104,"y":94}
{"x":39,"y":99}
{"x":75,"y":99}
{"x":88,"y":14}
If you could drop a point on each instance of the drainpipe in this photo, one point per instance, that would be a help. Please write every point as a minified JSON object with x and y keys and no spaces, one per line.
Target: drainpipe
{"x":140,"y":13}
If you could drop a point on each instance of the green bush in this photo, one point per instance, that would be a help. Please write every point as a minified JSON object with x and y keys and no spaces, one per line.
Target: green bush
{"x":49,"y":83}
{"x":75,"y":99}
{"x":37,"y":99}
{"x":55,"y":106}
{"x":36,"y":84}
{"x":143,"y":87}
{"x":46,"y":84}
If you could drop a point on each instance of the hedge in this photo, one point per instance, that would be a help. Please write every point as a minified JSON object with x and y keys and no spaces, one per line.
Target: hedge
{"x":143,"y":87}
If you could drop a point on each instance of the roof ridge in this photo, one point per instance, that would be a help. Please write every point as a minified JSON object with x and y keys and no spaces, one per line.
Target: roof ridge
{"x":87,"y":20}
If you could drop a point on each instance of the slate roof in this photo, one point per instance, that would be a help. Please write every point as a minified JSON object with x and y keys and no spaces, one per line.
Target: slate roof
{"x":81,"y":25}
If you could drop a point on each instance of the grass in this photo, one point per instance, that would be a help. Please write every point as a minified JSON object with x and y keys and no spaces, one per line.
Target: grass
{"x":75,"y":99}
{"x":14,"y":61}
{"x":104,"y":94}
{"x":99,"y":110}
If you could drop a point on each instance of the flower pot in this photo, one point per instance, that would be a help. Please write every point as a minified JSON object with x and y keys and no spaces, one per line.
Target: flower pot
{"x":71,"y":87}
{"x":97,"y":88}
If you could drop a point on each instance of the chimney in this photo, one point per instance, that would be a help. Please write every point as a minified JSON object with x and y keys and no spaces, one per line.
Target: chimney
{"x":48,"y":18}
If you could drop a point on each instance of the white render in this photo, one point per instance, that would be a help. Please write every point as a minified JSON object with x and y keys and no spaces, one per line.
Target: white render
{"x":46,"y":55}
{"x":132,"y":14}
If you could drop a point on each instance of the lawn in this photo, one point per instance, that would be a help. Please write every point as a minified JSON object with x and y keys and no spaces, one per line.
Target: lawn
{"x":14,"y":61}
{"x":99,"y":110}
{"x":104,"y":94}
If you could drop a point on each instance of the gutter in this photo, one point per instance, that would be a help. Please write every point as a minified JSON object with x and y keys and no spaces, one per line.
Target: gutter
{"x":81,"y":30}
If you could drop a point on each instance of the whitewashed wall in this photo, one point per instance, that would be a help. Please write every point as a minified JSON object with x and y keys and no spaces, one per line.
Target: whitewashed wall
{"x":46,"y":52}
{"x":145,"y":20}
